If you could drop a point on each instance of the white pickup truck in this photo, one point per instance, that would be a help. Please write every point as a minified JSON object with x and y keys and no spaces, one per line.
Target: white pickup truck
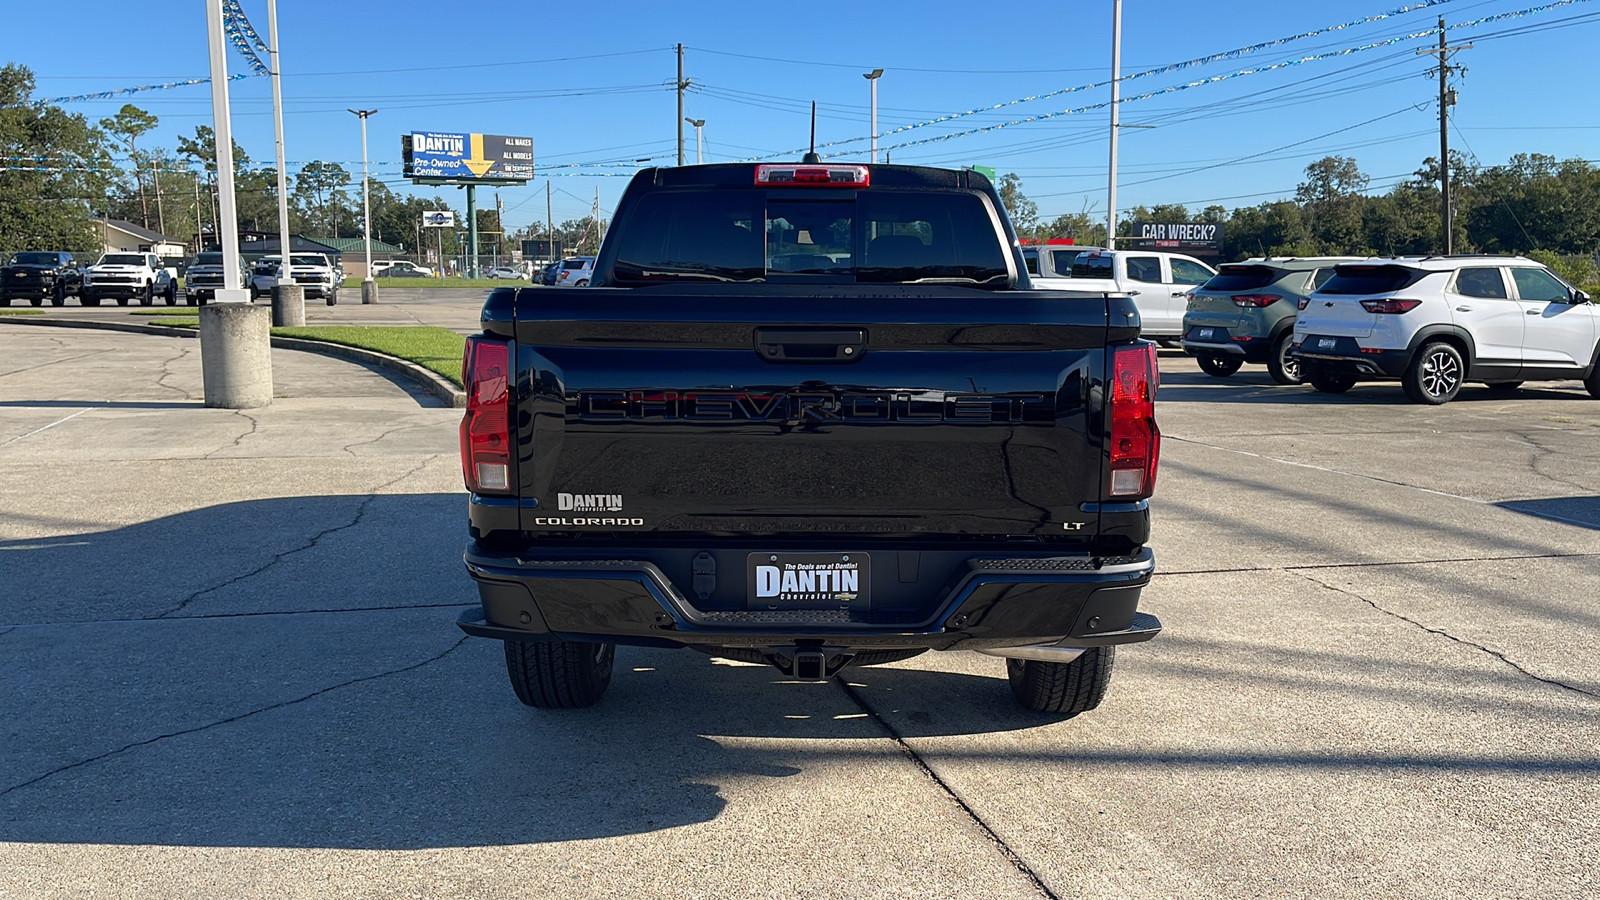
{"x":129,"y":276}
{"x":311,"y":271}
{"x":1159,"y":283}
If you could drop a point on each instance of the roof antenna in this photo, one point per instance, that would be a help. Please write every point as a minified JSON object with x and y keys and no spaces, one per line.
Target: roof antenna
{"x":811,"y":157}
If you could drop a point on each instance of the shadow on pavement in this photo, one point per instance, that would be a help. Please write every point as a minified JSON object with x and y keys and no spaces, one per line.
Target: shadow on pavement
{"x":1581,"y":511}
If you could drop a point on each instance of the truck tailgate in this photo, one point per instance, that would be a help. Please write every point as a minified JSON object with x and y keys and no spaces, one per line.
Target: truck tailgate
{"x":840,"y":409}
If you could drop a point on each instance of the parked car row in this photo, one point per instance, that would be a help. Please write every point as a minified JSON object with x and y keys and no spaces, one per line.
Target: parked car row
{"x":1432,"y":323}
{"x":1158,"y":282}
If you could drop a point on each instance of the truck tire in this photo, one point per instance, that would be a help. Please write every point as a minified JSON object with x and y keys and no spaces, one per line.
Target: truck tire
{"x":36,"y":301}
{"x":1065,"y":688}
{"x":1219,"y":366}
{"x":148,"y":298}
{"x":87,"y":299}
{"x":58,"y":297}
{"x":333,"y":297}
{"x":1282,"y":366}
{"x":1592,"y":383}
{"x":1435,"y":374}
{"x":5,"y":299}
{"x":172,"y":293}
{"x":559,"y":674}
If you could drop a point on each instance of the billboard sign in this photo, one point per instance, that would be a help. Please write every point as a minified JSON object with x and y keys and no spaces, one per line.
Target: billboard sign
{"x":465,"y":157}
{"x":1194,"y":238}
{"x":541,"y":248}
{"x":438,"y":218}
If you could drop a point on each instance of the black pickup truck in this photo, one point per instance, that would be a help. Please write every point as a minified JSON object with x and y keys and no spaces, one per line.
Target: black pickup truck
{"x":40,"y":275}
{"x":813,"y":416}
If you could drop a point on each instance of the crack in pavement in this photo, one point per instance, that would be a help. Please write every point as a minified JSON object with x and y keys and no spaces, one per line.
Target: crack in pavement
{"x":402,"y":607}
{"x":166,"y":372}
{"x":1367,"y":565}
{"x":1000,"y":845}
{"x":53,"y":362}
{"x":231,"y":719}
{"x":255,"y":425}
{"x":361,"y":512}
{"x":1540,"y":454}
{"x":396,"y":430}
{"x":1462,"y":641}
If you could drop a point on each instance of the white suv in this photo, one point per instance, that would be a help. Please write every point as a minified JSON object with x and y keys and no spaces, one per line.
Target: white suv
{"x":1436,"y":322}
{"x":575,"y":272}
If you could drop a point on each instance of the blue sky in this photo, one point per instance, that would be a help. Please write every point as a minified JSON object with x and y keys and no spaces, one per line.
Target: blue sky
{"x":594,"y":85}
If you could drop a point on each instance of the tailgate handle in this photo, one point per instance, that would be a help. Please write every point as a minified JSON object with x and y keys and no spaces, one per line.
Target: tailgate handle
{"x":816,"y":345}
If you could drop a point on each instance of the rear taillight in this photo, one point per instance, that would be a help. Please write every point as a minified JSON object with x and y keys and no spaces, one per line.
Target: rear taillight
{"x":1390,"y":306}
{"x":1135,"y":439}
{"x":1254,"y":301}
{"x":486,"y":427}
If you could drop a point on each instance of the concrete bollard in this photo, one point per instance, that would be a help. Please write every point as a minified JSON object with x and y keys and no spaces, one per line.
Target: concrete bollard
{"x":236,"y":355}
{"x":288,"y":306}
{"x":369,"y":291}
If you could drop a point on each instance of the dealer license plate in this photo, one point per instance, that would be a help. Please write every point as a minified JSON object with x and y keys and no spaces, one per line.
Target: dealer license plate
{"x":809,"y":580}
{"x":1205,"y":333}
{"x":1327,"y":343}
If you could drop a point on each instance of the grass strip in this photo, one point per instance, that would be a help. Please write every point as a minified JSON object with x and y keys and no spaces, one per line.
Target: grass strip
{"x":21,"y":312}
{"x":437,"y":349}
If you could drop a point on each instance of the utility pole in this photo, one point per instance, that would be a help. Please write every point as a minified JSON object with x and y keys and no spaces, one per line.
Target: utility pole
{"x":549,"y":222}
{"x":873,"y":77}
{"x":699,"y":149}
{"x":369,"y":288}
{"x":161,"y":216}
{"x":1116,"y":103}
{"x":277,"y":133}
{"x":681,"y":85}
{"x":1447,"y":99}
{"x":597,"y":220}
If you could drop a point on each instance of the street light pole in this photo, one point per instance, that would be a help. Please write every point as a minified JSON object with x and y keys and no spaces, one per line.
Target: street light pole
{"x":873,"y":77}
{"x":369,"y":289}
{"x":277,"y":132}
{"x":233,"y":289}
{"x":1116,"y":103}
{"x":699,"y":149}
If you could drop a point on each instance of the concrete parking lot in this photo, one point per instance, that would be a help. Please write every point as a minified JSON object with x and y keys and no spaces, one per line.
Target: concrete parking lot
{"x":230,"y":668}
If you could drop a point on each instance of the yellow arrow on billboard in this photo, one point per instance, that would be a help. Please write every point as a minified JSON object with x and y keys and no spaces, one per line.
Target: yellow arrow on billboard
{"x":476,"y":163}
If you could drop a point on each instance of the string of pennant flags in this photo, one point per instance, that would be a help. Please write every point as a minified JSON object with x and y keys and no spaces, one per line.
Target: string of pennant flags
{"x":239,"y":32}
{"x":1173,"y":67}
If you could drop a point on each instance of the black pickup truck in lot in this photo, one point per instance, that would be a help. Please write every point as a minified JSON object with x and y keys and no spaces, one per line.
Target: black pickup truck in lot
{"x":39,"y":276}
{"x":813,"y":416}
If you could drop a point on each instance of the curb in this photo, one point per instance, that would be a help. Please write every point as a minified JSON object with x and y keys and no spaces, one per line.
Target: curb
{"x":429,"y":380}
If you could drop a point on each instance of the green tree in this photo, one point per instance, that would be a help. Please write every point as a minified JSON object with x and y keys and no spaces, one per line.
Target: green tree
{"x":1024,"y":213}
{"x":44,"y":206}
{"x":318,"y":187}
{"x":127,"y":126}
{"x":1331,"y":199}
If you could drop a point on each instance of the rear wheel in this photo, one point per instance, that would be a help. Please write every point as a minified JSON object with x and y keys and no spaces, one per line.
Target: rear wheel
{"x":1592,"y":383}
{"x":1067,"y":688}
{"x":559,"y":674}
{"x":172,"y":294}
{"x":583,"y":283}
{"x":1219,"y":367}
{"x":1331,"y":382}
{"x":1281,"y":365}
{"x":1434,"y":376}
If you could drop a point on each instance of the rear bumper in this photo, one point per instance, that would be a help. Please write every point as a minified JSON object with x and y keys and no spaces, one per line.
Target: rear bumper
{"x":990,"y":603}
{"x":1348,"y":356}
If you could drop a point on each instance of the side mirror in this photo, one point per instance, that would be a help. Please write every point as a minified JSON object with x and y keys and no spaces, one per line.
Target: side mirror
{"x":1580,"y":297}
